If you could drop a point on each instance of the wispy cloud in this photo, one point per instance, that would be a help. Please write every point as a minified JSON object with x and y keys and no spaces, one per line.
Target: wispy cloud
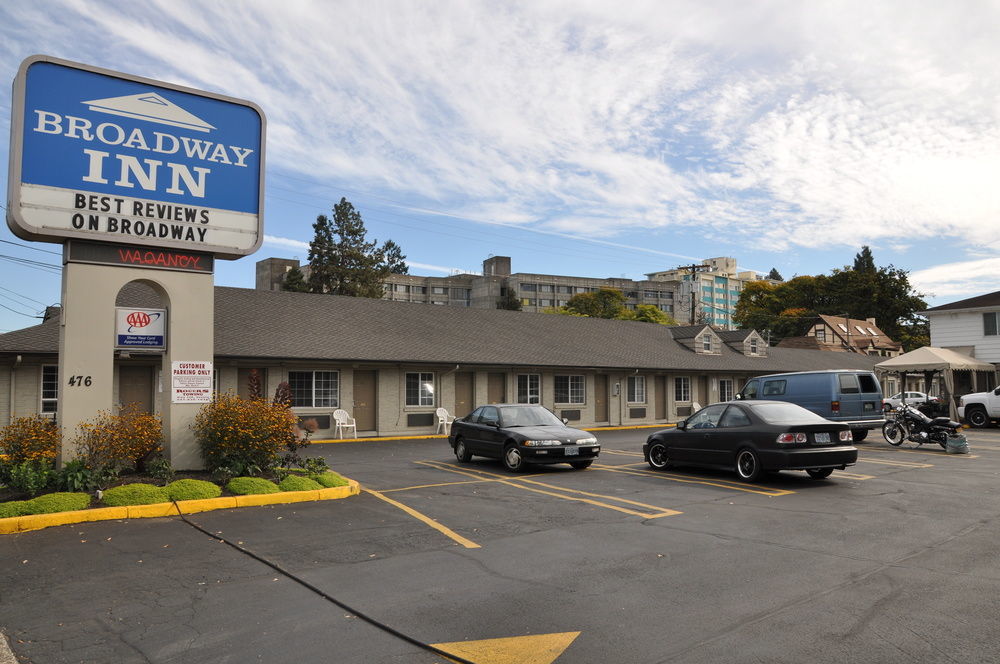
{"x":965,"y":278}
{"x":778,"y":123}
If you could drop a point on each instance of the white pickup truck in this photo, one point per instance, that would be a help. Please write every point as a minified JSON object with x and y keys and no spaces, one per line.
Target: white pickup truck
{"x":980,"y":409}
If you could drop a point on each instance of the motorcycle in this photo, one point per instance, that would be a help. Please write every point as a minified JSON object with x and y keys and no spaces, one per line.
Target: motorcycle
{"x":908,"y":423}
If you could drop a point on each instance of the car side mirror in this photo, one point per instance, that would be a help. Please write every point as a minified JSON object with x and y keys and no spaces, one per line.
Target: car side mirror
{"x":997,"y":391}
{"x":565,"y":421}
{"x":682,"y":425}
{"x":738,"y":396}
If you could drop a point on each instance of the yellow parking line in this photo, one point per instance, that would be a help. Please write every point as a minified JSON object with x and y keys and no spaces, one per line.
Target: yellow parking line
{"x":854,"y":476}
{"x":940,"y":454}
{"x":621,"y":452}
{"x":764,"y":491}
{"x":518,"y":482}
{"x":448,"y":532}
{"x":901,"y":464}
{"x":476,"y":480}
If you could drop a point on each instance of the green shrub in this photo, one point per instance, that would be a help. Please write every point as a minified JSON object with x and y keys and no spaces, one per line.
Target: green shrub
{"x":329,"y":479}
{"x":75,"y":476}
{"x":134,"y":494}
{"x":243,"y":436}
{"x":299,"y":483}
{"x":12,"y":508}
{"x":159,"y":469}
{"x":31,"y":438}
{"x":30,"y":477}
{"x":244,"y":486}
{"x":192,"y":490}
{"x":125,"y":439}
{"x":58,"y":502}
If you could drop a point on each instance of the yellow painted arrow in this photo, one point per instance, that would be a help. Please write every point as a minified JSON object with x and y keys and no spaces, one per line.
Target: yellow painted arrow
{"x":535,"y":649}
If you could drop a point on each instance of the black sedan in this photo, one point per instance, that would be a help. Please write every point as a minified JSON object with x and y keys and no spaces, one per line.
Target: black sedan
{"x":521,"y":434}
{"x":754,"y":437}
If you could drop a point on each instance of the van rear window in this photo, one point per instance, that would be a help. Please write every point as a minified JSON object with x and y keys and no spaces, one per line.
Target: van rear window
{"x":848,"y":384}
{"x":868,"y":383}
{"x":773,"y":388}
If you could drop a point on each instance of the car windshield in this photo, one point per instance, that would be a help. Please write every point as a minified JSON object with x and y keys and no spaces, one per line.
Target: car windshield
{"x":786,"y":413}
{"x":527,"y":416}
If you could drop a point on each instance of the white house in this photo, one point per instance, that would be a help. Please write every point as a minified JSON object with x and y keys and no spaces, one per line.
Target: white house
{"x":970,"y":326}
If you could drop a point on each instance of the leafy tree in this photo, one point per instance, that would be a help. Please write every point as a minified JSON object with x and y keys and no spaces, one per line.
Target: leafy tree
{"x":343,"y":261}
{"x":775,"y":275}
{"x":295,"y":281}
{"x":648,"y":313}
{"x":860,"y":292}
{"x":508,"y":300}
{"x":603,"y":303}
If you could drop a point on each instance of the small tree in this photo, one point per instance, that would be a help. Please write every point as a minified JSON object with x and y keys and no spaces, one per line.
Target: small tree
{"x":255,"y":390}
{"x":648,"y":313}
{"x":283,"y":395}
{"x":604,"y":303}
{"x":508,"y":300}
{"x":774,"y":275}
{"x":295,"y":281}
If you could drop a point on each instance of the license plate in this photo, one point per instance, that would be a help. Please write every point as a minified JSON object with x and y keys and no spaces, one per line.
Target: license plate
{"x":571,"y":450}
{"x":822,"y":438}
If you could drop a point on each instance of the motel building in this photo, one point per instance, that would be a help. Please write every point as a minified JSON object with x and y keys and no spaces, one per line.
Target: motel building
{"x":391,"y":365}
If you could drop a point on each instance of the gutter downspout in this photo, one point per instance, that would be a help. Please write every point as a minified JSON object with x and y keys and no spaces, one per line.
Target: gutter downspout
{"x":13,"y":383}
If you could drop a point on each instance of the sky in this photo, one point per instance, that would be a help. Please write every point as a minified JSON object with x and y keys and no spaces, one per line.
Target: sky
{"x":579,"y":137}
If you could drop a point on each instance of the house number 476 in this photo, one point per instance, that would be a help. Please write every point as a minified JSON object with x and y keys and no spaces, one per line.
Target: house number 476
{"x":80,"y":381}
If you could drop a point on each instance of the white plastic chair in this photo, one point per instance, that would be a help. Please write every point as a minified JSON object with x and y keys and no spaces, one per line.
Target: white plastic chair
{"x":344,"y":422}
{"x":444,"y":420}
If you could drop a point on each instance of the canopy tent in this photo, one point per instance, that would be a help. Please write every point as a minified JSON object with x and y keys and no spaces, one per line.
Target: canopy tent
{"x":929,"y":360}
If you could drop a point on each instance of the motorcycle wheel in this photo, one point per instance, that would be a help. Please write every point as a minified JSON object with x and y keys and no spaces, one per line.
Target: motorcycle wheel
{"x":893,"y":434}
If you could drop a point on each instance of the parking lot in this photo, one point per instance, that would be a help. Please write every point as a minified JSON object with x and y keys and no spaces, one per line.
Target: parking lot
{"x":892,"y":560}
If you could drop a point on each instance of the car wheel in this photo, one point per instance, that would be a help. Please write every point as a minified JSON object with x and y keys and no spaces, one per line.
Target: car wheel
{"x":580,"y":465}
{"x":657,"y":457}
{"x":819,"y":473}
{"x":748,"y":465}
{"x":462,"y":452}
{"x":513,"y":460}
{"x":859,"y":434}
{"x":893,"y":434}
{"x":977,"y":418}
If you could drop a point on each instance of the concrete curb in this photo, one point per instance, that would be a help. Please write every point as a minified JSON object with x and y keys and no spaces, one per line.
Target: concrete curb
{"x":375,"y":439}
{"x":20,"y":524}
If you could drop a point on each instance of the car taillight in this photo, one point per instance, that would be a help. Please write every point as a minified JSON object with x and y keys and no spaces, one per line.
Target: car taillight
{"x":846,"y":436}
{"x":789,"y":438}
{"x":835,"y":407}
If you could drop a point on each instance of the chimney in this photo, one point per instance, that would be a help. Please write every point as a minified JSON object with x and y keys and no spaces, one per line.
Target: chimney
{"x":871,"y":321}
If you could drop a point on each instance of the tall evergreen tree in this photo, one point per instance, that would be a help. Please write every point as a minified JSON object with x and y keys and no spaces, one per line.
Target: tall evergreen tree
{"x":343,"y":261}
{"x":295,"y":281}
{"x":774,"y":275}
{"x":864,"y":261}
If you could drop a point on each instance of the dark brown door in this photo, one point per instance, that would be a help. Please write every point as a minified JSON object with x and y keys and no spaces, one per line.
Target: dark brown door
{"x":135,"y":385}
{"x":463,"y":393}
{"x":364,"y":400}
{"x":660,"y":398}
{"x":703,"y":396}
{"x":600,"y":398}
{"x":496,"y":388}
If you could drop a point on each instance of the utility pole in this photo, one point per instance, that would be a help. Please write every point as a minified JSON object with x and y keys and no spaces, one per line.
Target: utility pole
{"x":694,"y":268}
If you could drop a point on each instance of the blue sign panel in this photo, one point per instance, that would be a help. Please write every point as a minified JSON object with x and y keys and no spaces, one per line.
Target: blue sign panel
{"x":109,"y":157}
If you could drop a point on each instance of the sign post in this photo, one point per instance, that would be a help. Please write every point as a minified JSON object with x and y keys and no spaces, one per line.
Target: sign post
{"x":141,"y":181}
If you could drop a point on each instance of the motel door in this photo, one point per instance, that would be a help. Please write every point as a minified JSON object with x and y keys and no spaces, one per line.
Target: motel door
{"x":463,"y":393}
{"x":600,"y":398}
{"x":364,"y":400}
{"x":135,"y":385}
{"x":496,"y":388}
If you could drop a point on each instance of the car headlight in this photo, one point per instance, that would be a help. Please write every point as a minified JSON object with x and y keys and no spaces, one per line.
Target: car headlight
{"x":587,"y":441}
{"x":541,"y":443}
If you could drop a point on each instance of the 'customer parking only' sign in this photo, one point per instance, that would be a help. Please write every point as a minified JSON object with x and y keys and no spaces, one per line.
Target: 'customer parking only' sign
{"x":109,"y":157}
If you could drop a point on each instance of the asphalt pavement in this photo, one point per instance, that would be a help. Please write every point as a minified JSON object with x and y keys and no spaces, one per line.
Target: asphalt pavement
{"x":891,"y":561}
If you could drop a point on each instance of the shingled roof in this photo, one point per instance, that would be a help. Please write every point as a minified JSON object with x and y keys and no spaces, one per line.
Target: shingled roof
{"x":279,"y":325}
{"x":978,"y":302}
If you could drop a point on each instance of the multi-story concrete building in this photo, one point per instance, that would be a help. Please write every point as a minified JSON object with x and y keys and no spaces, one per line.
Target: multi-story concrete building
{"x":715,"y":287}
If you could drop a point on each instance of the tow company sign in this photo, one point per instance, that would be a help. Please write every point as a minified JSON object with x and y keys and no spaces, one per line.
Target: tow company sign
{"x":103,"y":156}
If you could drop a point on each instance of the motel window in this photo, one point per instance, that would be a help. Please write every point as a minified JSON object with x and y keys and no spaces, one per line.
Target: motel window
{"x":682,"y":388}
{"x":569,"y":389}
{"x":529,"y":388}
{"x":637,"y":389}
{"x":420,"y":388}
{"x":315,"y":389}
{"x":725,"y":389}
{"x":50,"y":388}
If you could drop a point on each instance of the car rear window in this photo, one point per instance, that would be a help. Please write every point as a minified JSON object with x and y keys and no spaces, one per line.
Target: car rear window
{"x":786,"y":413}
{"x":868,"y":383}
{"x":848,"y":384}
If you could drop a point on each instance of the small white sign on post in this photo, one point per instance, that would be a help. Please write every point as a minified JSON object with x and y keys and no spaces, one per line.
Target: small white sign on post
{"x":191,"y":382}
